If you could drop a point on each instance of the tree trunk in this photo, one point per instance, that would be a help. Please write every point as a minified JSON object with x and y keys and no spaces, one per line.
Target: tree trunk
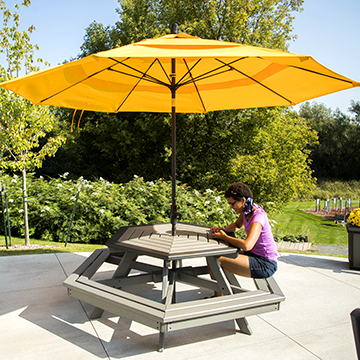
{"x":26,"y":223}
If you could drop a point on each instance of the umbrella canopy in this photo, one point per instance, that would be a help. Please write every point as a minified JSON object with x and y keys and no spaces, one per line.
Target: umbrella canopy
{"x":210,"y":75}
{"x":180,"y":73}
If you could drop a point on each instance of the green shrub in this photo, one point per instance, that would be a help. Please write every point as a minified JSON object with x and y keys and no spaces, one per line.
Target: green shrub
{"x":103,"y":207}
{"x":291,"y":238}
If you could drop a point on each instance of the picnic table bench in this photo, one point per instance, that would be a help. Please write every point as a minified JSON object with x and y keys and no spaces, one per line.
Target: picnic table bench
{"x":190,"y":241}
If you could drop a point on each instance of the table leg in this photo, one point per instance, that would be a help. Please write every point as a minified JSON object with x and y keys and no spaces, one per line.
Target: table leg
{"x":231,"y":277}
{"x":225,"y":288}
{"x":244,"y":326}
{"x":122,"y":270}
{"x":170,"y":290}
{"x":125,"y":264}
{"x":165,"y":281}
{"x":168,"y":293}
{"x":161,"y":341}
{"x":174,"y":266}
{"x":218,"y":272}
{"x":96,"y":313}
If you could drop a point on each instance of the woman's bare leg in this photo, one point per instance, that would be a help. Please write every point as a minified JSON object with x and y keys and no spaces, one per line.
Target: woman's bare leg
{"x":239,"y":266}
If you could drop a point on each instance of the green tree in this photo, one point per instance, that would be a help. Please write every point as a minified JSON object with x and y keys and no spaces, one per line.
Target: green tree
{"x":266,"y":23}
{"x":275,"y":160}
{"x":355,"y":110}
{"x":335,"y":155}
{"x":139,"y":19}
{"x":208,"y":145}
{"x":98,"y":38}
{"x":22,"y":124}
{"x":114,"y":146}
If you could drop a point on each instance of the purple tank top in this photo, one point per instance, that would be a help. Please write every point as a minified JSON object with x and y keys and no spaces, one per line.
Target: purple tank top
{"x":265,"y":246}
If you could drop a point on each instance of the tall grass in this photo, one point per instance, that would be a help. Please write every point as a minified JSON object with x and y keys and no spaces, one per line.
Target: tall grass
{"x":336,"y":189}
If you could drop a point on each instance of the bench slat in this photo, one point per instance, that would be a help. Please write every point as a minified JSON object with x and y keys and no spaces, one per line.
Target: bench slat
{"x":180,"y":311}
{"x":236,"y":303}
{"x":117,"y":305}
{"x":80,"y":270}
{"x":216,"y":318}
{"x":173,"y":316}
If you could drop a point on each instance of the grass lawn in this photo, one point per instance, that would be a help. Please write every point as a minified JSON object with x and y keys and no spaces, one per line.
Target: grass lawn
{"x":48,"y":247}
{"x":291,"y":221}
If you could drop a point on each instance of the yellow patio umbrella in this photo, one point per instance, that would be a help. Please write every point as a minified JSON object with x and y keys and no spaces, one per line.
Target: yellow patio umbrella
{"x":180,"y":73}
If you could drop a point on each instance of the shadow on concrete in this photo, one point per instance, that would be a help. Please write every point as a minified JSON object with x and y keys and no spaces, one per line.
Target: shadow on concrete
{"x":110,"y":336}
{"x":336,"y":265}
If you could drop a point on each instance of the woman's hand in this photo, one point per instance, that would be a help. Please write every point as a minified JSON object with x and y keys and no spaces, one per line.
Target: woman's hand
{"x":247,"y":244}
{"x":218,"y":233}
{"x":216,"y":229}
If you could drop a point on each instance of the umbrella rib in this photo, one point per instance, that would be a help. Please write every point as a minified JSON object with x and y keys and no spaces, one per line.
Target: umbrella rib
{"x":197,"y":90}
{"x":147,"y":77}
{"x":143,"y":77}
{"x":203,"y":77}
{"x":187,"y":72}
{"x":321,"y":74}
{"x":72,"y":85}
{"x":258,"y":82}
{"x":211,"y":73}
{"x":162,"y":68}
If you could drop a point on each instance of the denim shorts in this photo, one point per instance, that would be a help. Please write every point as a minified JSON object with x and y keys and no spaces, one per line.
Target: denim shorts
{"x":260,"y":267}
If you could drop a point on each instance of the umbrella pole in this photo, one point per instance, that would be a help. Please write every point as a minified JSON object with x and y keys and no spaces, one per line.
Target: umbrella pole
{"x":174,"y":213}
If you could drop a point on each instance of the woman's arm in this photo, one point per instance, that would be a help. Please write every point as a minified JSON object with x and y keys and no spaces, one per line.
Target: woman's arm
{"x":235,"y":226}
{"x":244,"y":244}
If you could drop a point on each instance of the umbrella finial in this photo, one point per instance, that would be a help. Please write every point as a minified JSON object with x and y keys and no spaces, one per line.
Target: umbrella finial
{"x":174,"y":28}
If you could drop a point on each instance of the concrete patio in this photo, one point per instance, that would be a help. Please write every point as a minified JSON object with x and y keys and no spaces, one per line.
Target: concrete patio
{"x":39,"y":321}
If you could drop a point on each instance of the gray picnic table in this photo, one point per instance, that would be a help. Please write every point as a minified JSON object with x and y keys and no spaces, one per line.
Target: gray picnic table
{"x":157,"y":241}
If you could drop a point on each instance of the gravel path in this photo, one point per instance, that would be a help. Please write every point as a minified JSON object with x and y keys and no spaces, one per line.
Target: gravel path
{"x":337,"y":250}
{"x":331,"y":249}
{"x":31,"y":246}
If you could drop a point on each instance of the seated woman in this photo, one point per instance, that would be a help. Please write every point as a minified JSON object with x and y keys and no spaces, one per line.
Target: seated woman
{"x":258,"y":258}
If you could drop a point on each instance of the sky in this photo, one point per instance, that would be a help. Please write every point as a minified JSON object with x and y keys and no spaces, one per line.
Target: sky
{"x":328,"y":30}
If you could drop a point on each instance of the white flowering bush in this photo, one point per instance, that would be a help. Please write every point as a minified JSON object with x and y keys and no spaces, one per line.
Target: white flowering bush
{"x":103,"y":207}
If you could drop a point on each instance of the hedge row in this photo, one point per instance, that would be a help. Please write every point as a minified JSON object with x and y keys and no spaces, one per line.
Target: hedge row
{"x":103,"y":207}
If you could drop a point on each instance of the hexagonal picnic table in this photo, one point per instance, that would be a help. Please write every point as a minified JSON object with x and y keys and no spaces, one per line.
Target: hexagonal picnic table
{"x":157,"y":241}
